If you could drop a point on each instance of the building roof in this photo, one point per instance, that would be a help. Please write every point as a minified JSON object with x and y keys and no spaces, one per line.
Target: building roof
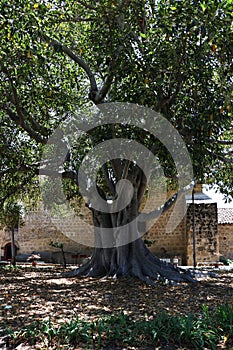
{"x":198,"y":196}
{"x":225,"y":215}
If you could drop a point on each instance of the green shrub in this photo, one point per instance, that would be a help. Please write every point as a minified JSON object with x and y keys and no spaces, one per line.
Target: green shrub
{"x":203,"y":332}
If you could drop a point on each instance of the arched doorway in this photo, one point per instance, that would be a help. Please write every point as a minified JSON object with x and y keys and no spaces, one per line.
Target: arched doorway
{"x":7,"y":251}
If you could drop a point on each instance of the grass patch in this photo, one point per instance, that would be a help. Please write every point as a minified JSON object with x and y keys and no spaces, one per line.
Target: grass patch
{"x":206,"y":331}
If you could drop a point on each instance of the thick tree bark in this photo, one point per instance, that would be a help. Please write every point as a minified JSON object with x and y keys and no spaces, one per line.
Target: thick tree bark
{"x":119,"y":249}
{"x":132,"y":260}
{"x":126,"y":261}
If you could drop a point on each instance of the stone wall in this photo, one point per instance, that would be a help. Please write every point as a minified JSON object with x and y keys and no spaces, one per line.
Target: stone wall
{"x":40,"y":229}
{"x":169,"y":233}
{"x":225,"y":233}
{"x":206,"y":233}
{"x":170,"y":240}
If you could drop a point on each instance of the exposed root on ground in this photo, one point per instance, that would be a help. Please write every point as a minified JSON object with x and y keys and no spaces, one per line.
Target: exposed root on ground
{"x":143,"y":266}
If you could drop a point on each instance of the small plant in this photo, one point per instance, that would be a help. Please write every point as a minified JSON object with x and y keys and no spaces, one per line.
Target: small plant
{"x":203,"y":332}
{"x":10,"y":267}
{"x":60,"y":246}
{"x":224,"y":319}
{"x":148,"y":242}
{"x":227,"y":262}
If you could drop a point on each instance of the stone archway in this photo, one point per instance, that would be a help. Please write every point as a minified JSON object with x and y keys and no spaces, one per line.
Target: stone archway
{"x":7,"y":252}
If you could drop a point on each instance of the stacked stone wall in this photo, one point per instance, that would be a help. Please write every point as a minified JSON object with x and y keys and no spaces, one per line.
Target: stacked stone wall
{"x":168,"y":233}
{"x":40,"y":230}
{"x":225,"y":233}
{"x":206,"y":233}
{"x":169,"y":240}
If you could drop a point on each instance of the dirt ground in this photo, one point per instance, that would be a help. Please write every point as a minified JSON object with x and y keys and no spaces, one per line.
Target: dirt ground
{"x":31,"y":293}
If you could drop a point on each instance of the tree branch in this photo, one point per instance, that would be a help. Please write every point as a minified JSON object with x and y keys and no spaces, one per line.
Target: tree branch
{"x":90,"y":7}
{"x":105,"y":88}
{"x":19,"y":108}
{"x":71,"y":175}
{"x":3,"y":172}
{"x":80,"y":61}
{"x":19,"y":121}
{"x":116,"y":166}
{"x":163,"y":208}
{"x":221,"y":157}
{"x":13,"y":191}
{"x":110,"y":183}
{"x":224,"y":142}
{"x":126,"y":169}
{"x":142,"y":188}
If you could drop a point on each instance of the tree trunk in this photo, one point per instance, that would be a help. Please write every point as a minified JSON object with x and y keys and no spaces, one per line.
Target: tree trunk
{"x":133,"y":259}
{"x":119,"y":249}
{"x":13,"y":261}
{"x":63,"y":257}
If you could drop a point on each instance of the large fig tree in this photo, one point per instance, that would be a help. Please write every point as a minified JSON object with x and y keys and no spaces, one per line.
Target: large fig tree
{"x":58,"y":58}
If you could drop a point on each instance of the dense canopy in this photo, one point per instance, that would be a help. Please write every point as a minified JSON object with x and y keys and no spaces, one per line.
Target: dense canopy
{"x":172,"y":56}
{"x":60,"y":57}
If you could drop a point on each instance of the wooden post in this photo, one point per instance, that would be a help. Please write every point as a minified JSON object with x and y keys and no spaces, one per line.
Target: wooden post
{"x":13,"y":262}
{"x":194,"y":232}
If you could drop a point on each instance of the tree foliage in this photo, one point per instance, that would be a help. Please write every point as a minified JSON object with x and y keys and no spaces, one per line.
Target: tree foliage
{"x":59,"y":57}
{"x":11,"y":216}
{"x":172,"y":56}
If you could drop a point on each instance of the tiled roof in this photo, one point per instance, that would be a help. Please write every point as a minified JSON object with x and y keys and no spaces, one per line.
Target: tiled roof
{"x":225,"y":215}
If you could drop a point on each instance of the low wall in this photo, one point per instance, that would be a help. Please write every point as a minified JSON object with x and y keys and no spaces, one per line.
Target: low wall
{"x":225,"y":233}
{"x":212,"y":240}
{"x":39,"y":230}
